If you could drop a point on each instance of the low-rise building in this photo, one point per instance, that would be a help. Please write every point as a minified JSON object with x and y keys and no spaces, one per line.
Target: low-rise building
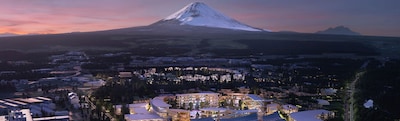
{"x":198,"y":100}
{"x":159,"y":106}
{"x":311,"y":115}
{"x":143,"y":117}
{"x":272,"y":108}
{"x":179,"y":114}
{"x":288,"y":109}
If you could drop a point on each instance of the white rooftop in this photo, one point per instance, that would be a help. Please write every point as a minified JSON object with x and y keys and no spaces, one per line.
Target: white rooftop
{"x":27,"y":113}
{"x":255,"y":97}
{"x":7,"y":103}
{"x":201,"y":93}
{"x":15,"y":102}
{"x":159,"y":103}
{"x":142,"y":116}
{"x":44,"y":98}
{"x":288,"y":106}
{"x":214,"y":109}
{"x":246,"y":111}
{"x":30,"y":100}
{"x":310,"y":115}
{"x":51,"y":118}
{"x":137,"y":105}
{"x":140,"y":110}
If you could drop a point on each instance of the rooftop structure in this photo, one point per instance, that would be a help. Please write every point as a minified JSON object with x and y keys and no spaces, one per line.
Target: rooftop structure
{"x":58,"y":118}
{"x":179,"y":114}
{"x":143,"y":117}
{"x":288,"y":108}
{"x":199,"y":100}
{"x":30,"y":100}
{"x":311,"y":115}
{"x":159,"y":106}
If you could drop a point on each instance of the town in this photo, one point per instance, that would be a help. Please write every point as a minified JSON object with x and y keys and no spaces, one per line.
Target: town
{"x":119,"y":86}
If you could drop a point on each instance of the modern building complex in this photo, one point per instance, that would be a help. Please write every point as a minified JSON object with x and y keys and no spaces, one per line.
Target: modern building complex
{"x":210,"y":106}
{"x":197,"y":100}
{"x":30,"y":109}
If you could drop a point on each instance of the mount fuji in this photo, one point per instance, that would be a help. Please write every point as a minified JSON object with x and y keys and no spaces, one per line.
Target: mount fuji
{"x":200,"y":14}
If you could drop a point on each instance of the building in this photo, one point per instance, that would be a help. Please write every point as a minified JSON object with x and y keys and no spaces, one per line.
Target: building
{"x":253,"y":101}
{"x":198,"y":100}
{"x":272,"y":108}
{"x":311,"y":115}
{"x":143,"y":117}
{"x":179,"y":114}
{"x":139,"y":108}
{"x":234,"y":98}
{"x":38,"y":106}
{"x":213,"y":112}
{"x":26,"y":115}
{"x":159,"y":106}
{"x":288,"y":108}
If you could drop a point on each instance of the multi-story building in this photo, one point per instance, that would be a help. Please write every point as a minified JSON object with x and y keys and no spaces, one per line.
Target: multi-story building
{"x":198,"y":100}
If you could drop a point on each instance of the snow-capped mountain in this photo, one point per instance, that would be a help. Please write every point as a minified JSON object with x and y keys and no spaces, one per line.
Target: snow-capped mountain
{"x":199,"y":14}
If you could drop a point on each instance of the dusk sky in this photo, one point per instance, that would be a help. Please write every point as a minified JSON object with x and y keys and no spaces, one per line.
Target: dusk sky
{"x":369,"y":17}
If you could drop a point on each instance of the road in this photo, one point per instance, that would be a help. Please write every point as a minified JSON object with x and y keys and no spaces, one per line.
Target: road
{"x":351,"y":89}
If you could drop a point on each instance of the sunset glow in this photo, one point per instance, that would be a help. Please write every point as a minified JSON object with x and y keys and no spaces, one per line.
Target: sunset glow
{"x":64,"y":16}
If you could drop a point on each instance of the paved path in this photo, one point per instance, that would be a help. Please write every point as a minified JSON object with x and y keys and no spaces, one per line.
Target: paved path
{"x":351,"y":89}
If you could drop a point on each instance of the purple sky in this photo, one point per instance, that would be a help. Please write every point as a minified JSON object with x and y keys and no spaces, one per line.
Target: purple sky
{"x":369,"y":17}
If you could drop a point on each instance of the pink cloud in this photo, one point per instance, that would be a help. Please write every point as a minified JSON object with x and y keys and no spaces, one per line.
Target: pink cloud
{"x":61,"y":16}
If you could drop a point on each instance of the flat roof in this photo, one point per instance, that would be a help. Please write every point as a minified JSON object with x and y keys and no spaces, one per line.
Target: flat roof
{"x":179,"y":110}
{"x":7,"y":103}
{"x":288,"y":106}
{"x":310,"y":115}
{"x":27,"y":113}
{"x":200,"y":93}
{"x":51,"y":118}
{"x":246,"y":111}
{"x":3,"y":118}
{"x":140,"y":110}
{"x":43,"y":98}
{"x":159,"y":103}
{"x":29,"y":100}
{"x":16,"y":102}
{"x":141,"y":116}
{"x":255,"y":97}
{"x":137,"y":105}
{"x":214,"y":109}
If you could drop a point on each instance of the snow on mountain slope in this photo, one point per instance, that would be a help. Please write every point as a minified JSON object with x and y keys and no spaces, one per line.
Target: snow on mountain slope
{"x":199,"y":14}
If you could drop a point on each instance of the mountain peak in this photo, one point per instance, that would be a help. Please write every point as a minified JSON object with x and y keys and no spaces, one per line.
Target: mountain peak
{"x":200,"y":14}
{"x":341,"y":30}
{"x":191,"y":10}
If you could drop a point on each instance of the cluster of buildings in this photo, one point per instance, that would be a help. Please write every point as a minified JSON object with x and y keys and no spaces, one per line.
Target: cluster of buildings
{"x":220,"y":75}
{"x":31,"y":109}
{"x":209,"y":106}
